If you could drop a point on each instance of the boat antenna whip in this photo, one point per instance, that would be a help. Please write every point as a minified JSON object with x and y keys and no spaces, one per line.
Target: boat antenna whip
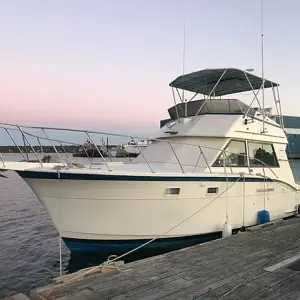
{"x":262,"y":62}
{"x":183,"y":68}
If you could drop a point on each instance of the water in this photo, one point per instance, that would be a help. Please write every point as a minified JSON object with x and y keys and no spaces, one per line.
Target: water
{"x":29,"y":247}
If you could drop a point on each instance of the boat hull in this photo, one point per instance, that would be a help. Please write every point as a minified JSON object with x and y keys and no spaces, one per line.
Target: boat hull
{"x":116,"y":213}
{"x":121,"y":246}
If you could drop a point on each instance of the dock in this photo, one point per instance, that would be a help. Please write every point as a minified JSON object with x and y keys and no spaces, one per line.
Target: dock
{"x":261,"y":263}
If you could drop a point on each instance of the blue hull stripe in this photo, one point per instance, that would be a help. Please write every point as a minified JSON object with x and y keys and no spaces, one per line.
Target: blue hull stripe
{"x":76,"y":176}
{"x":117,"y":246}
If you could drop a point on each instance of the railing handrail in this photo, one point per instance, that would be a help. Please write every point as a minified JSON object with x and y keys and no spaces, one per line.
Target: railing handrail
{"x":163,"y":139}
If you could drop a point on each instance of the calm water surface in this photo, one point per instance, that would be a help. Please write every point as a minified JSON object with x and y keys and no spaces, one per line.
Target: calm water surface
{"x":29,"y":243}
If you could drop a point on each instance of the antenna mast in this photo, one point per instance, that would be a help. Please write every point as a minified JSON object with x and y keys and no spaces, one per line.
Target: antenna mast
{"x":183,"y":67}
{"x":183,"y":52}
{"x":262,"y":62}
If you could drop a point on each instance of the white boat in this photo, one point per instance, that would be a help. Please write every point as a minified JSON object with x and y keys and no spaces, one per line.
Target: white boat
{"x":216,"y":160}
{"x":132,"y":148}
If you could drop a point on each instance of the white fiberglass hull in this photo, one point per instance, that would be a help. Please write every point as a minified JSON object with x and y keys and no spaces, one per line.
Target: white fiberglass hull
{"x":130,"y":209}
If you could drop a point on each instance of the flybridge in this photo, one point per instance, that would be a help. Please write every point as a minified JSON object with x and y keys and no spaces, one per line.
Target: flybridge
{"x":212,"y":83}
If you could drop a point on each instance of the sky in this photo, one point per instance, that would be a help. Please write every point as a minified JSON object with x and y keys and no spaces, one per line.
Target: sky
{"x":107,"y":65}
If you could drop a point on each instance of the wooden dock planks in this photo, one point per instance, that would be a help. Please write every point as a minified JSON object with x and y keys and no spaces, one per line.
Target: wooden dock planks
{"x":230,"y":268}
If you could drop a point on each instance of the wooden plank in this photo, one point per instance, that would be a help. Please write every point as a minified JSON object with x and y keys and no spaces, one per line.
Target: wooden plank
{"x":233,"y":265}
{"x":134,"y":288}
{"x":249,"y":286}
{"x":19,"y":296}
{"x":294,"y":296}
{"x":75,"y":295}
{"x":201,"y":285}
{"x":171,"y":269}
{"x":283,"y":263}
{"x":281,"y":290}
{"x":64,"y":289}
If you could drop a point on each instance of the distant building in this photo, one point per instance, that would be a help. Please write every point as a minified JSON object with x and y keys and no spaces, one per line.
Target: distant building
{"x":292,"y":129}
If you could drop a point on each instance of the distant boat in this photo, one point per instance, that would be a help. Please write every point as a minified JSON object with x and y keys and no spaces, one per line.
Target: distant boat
{"x":88,"y":149}
{"x":132,"y":149}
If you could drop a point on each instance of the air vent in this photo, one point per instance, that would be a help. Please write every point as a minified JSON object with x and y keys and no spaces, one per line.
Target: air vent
{"x":212,"y":190}
{"x":172,"y":191}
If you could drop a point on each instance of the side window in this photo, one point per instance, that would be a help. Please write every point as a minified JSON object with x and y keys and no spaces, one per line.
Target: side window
{"x":234,"y":156}
{"x":260,"y":152}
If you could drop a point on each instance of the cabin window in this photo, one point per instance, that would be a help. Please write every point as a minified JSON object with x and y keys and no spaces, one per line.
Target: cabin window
{"x":261,"y":154}
{"x":172,"y":191}
{"x":234,"y":155}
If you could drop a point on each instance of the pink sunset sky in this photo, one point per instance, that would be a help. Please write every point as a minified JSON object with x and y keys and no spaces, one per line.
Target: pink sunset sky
{"x":107,"y":64}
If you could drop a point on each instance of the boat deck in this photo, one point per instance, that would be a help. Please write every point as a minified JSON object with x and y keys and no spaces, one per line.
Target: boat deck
{"x":261,"y":263}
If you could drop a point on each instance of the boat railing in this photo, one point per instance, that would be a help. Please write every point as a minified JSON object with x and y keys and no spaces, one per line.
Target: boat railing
{"x":42,"y":138}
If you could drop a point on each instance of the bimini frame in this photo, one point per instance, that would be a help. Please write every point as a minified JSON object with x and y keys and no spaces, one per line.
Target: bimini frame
{"x":212,"y":83}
